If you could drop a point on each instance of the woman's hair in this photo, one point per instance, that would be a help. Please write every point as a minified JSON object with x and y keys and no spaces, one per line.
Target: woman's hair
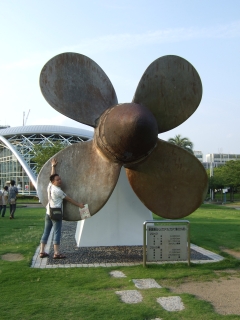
{"x":6,"y":188}
{"x":52,"y":177}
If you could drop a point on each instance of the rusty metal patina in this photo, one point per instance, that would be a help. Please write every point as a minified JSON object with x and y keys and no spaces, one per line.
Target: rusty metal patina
{"x":83,"y":173}
{"x":126,"y":132}
{"x":172,"y":90}
{"x":77,"y":87}
{"x":174,"y":191}
{"x":169,"y":181}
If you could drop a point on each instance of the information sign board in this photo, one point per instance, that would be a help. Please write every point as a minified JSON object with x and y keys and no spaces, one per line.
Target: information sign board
{"x":167,"y":242}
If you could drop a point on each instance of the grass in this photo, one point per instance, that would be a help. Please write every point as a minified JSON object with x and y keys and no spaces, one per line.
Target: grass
{"x":214,"y":227}
{"x":89,"y":293}
{"x":27,"y":199}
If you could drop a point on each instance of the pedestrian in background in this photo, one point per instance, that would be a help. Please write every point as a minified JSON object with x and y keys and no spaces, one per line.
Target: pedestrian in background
{"x":1,"y":202}
{"x":12,"y":198}
{"x":4,"y":200}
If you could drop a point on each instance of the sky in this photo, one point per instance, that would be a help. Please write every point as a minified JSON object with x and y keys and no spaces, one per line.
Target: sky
{"x":123,"y":38}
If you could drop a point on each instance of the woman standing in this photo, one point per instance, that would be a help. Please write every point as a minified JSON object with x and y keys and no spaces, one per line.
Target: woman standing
{"x":55,"y":198}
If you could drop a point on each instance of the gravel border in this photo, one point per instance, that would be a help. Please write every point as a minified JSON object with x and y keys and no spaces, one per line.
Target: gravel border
{"x":99,"y":255}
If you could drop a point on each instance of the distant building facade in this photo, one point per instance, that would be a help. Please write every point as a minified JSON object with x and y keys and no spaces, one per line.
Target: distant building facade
{"x":199,"y":155}
{"x":214,"y":160}
{"x":221,"y":157}
{"x":208,"y":165}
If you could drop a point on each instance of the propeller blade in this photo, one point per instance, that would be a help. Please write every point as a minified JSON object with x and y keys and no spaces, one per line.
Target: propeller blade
{"x":171,"y":88}
{"x":171,"y":182}
{"x":87,"y":176}
{"x":77,"y":87}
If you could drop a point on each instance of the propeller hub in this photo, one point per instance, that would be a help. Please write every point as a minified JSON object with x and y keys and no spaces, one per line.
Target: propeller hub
{"x":126,"y":132}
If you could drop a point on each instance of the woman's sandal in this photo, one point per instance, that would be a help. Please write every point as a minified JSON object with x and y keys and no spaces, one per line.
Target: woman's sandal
{"x":44,"y":255}
{"x":59,"y":256}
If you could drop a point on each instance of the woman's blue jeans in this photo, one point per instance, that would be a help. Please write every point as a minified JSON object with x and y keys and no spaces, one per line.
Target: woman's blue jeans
{"x":57,"y":227}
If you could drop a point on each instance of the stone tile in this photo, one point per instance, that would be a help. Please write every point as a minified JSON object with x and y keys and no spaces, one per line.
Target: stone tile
{"x":213,"y":257}
{"x":117,"y":274}
{"x":173,"y":303}
{"x":43,"y":263}
{"x":146,"y":283}
{"x":108,"y":265}
{"x":130,"y":296}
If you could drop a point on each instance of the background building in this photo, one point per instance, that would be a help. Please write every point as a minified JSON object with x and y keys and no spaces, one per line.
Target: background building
{"x":199,"y":155}
{"x":214,"y":160}
{"x":16,"y":146}
{"x":221,"y":157}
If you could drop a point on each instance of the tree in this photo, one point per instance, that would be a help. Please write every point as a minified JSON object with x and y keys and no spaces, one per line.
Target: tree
{"x":184,"y":143}
{"x":42,"y":153}
{"x":231,"y":175}
{"x":225,"y":176}
{"x":217,"y":181}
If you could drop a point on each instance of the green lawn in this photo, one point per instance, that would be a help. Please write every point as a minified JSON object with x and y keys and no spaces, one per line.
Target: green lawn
{"x":215,"y":226}
{"x":89,"y":293}
{"x":27,"y":199}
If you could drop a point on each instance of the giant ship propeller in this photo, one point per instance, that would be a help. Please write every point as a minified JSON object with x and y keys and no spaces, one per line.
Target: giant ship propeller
{"x":170,"y":181}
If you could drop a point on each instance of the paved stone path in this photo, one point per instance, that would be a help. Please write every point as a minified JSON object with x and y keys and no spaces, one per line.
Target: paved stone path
{"x":170,"y":303}
{"x":93,"y":258}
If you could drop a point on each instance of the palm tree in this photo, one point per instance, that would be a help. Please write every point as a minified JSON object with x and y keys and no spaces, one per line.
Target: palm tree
{"x":184,"y":143}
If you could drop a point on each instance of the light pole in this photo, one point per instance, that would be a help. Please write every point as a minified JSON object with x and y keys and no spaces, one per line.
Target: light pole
{"x":211,"y":175}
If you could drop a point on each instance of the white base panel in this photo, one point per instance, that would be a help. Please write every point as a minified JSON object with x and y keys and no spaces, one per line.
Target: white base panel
{"x":118,"y":223}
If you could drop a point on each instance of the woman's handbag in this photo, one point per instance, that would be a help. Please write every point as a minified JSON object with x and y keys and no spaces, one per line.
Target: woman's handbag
{"x":55,"y":213}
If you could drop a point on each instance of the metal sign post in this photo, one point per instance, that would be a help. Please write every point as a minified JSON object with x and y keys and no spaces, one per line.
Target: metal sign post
{"x":169,"y":241}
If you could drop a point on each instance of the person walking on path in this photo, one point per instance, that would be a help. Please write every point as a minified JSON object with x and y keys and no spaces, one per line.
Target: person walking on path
{"x":55,"y":200}
{"x":4,"y":200}
{"x":1,"y":202}
{"x":12,"y":197}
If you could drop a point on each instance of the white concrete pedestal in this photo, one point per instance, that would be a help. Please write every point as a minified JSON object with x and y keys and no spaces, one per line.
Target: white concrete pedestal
{"x":118,"y":223}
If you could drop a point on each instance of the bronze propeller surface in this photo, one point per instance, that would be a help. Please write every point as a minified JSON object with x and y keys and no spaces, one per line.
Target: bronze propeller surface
{"x":83,"y":173}
{"x":170,"y":182}
{"x":167,"y":179}
{"x":172,"y":90}
{"x":77,"y":87}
